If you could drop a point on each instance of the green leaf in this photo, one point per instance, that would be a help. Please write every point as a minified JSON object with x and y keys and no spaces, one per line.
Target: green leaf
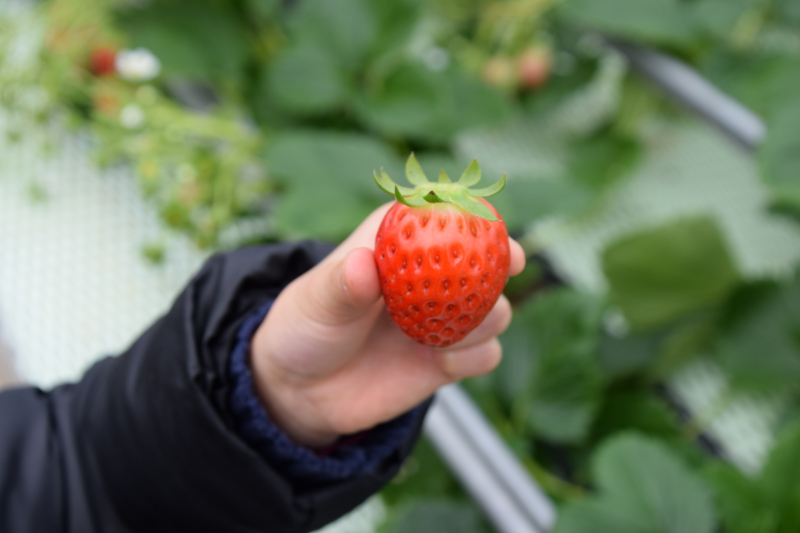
{"x":513,"y":377}
{"x":414,"y":172}
{"x":654,"y":21}
{"x":411,"y":101}
{"x":764,"y":83}
{"x":638,"y":106}
{"x":787,"y":10}
{"x":306,"y":80}
{"x":562,"y":87}
{"x":423,"y":475}
{"x":472,"y":175}
{"x":565,"y":397}
{"x":630,"y":354}
{"x":658,"y":275}
{"x":603,"y":160}
{"x":521,"y":285}
{"x":780,"y":480}
{"x":760,"y":338}
{"x":182,"y":38}
{"x":769,"y":503}
{"x":441,"y":516}
{"x":742,"y":506}
{"x":642,"y":487}
{"x":637,"y":410}
{"x":408,"y":102}
{"x":396,"y":21}
{"x":263,"y":10}
{"x":526,"y":200}
{"x":780,"y":156}
{"x":720,"y":16}
{"x":305,"y":213}
{"x":473,"y":104}
{"x":549,"y":375}
{"x":656,"y":354}
{"x":443,"y":177}
{"x":328,"y":191}
{"x":491,"y":190}
{"x":345,"y":28}
{"x":689,"y":338}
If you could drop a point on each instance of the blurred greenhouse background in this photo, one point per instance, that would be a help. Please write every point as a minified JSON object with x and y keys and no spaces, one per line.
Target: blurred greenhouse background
{"x":650,"y":380}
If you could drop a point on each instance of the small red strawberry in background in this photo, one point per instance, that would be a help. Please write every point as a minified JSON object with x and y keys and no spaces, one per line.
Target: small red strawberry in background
{"x":534,"y":65}
{"x":101,"y":62}
{"x":442,"y":253}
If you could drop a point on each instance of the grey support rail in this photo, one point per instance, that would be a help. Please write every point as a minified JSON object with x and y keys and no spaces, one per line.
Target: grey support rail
{"x":689,"y":88}
{"x":486,"y":466}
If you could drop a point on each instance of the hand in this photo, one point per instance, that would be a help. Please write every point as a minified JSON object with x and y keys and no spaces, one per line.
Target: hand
{"x":328,"y":361}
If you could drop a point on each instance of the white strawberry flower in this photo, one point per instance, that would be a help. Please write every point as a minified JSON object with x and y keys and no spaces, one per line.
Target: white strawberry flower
{"x":137,"y":65}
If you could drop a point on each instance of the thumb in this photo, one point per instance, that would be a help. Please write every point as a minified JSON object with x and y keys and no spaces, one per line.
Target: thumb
{"x":343,"y":290}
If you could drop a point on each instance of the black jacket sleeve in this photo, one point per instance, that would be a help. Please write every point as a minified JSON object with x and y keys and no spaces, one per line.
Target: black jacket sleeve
{"x":144,"y":442}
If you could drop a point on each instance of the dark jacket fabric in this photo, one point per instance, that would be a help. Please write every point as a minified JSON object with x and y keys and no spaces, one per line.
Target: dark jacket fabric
{"x":146,"y":442}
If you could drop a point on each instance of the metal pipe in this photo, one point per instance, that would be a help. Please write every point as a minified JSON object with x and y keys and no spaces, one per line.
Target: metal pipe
{"x":485,"y":465}
{"x":688,"y":87}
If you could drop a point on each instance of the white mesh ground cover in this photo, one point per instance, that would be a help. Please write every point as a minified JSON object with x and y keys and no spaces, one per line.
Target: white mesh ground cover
{"x":73,"y":282}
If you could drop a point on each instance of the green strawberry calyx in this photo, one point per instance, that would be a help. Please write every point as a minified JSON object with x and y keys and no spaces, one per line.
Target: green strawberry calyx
{"x":426,"y":192}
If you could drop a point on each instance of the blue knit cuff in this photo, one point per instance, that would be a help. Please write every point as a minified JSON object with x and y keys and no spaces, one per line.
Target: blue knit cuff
{"x":296,"y":462}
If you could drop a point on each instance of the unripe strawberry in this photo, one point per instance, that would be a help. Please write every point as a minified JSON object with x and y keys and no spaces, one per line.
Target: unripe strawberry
{"x":500,"y":71}
{"x":442,"y":253}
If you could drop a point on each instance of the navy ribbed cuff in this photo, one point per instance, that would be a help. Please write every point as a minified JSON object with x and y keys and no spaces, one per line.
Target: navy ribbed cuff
{"x":296,"y":462}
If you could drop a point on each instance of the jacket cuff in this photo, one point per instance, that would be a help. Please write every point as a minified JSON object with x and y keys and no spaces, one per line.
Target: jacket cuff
{"x":350,"y":456}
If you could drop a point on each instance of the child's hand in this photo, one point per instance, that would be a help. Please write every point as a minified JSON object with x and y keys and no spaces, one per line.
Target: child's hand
{"x":328,"y":360}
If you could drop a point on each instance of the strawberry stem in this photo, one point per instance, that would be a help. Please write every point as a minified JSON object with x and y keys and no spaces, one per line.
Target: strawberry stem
{"x":445,"y":191}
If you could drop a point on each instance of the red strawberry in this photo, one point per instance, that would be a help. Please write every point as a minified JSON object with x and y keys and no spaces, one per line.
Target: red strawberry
{"x":442,"y":253}
{"x":101,"y":63}
{"x":534,"y":66}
